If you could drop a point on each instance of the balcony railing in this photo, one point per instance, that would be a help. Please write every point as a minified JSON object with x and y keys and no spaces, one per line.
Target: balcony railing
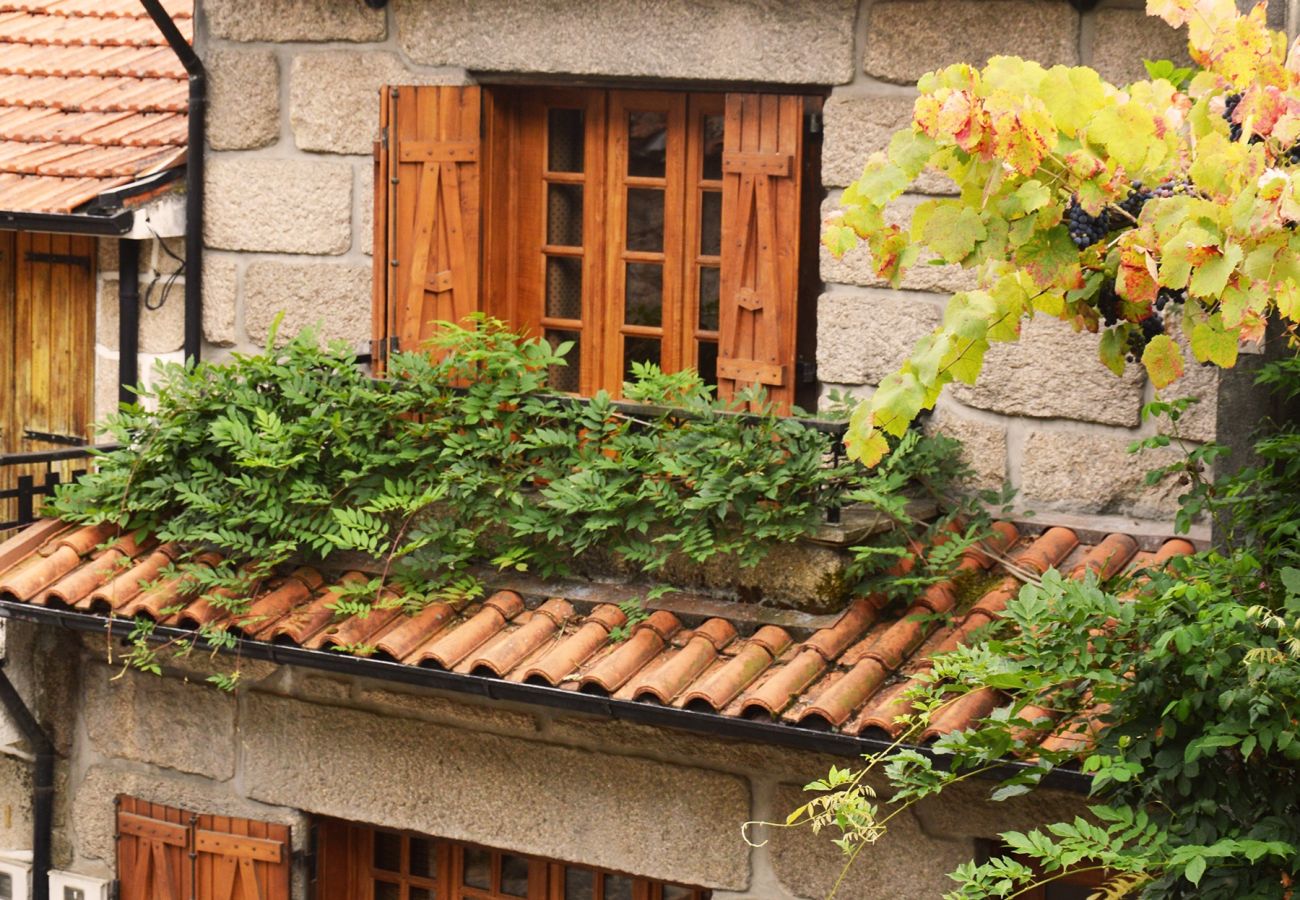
{"x":26,"y":479}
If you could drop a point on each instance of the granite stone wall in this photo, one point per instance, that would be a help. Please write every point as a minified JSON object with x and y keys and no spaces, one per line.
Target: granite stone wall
{"x":294,"y":112}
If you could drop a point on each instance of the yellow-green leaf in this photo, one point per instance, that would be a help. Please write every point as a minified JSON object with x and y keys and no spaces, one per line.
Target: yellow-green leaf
{"x":1163,"y":361}
{"x":1213,"y":343}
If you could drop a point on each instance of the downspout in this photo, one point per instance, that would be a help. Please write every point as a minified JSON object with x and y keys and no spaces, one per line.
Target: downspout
{"x":42,"y":784}
{"x":128,"y":319}
{"x":196,"y":143}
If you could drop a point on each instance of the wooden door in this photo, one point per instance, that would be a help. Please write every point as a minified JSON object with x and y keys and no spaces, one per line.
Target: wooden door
{"x":47,"y":348}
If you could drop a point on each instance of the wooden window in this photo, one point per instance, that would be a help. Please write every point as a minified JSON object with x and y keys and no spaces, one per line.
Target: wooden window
{"x":165,"y":853}
{"x":640,"y":226}
{"x":357,"y":862}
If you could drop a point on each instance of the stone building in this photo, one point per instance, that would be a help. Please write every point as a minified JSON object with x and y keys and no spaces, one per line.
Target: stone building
{"x":473,"y":772}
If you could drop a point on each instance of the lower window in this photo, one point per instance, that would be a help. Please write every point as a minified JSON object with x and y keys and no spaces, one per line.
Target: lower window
{"x":358,"y":862}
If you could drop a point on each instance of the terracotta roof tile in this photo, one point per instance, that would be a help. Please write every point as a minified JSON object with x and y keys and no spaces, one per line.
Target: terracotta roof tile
{"x":851,"y":677}
{"x":93,"y":76}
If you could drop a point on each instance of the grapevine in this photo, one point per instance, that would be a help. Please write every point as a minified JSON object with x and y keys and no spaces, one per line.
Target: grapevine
{"x":1135,"y":213}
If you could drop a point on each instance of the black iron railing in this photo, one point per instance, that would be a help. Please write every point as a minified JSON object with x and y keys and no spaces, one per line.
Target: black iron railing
{"x":26,"y":478}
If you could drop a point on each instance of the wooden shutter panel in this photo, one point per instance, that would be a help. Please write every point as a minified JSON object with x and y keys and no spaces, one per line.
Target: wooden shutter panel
{"x":429,"y":208}
{"x":238,"y":859}
{"x":151,"y":850}
{"x":171,"y":854}
{"x":761,"y":166}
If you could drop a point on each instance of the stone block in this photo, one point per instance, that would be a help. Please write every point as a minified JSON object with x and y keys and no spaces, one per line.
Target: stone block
{"x":334,"y":97}
{"x":1199,"y":422}
{"x":365,"y":235}
{"x":294,"y":20}
{"x":106,"y":254}
{"x":15,"y":803}
{"x":907,"y":861}
{"x":162,"y":330}
{"x":1094,"y":473}
{"x":864,"y":335}
{"x":1054,"y":372}
{"x":435,"y":707}
{"x":93,"y":810}
{"x":333,"y":298}
{"x":739,"y":40}
{"x":519,"y":795}
{"x":856,"y":126}
{"x":166,"y":256}
{"x":107,"y":380}
{"x":855,"y":267}
{"x":244,"y":102}
{"x":1122,"y":38}
{"x":907,"y":38}
{"x":160,"y":721}
{"x":220,"y":291}
{"x":984,"y":447}
{"x":278,"y":205}
{"x":965,"y":810}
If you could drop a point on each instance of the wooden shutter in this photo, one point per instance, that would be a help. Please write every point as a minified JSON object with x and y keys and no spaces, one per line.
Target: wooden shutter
{"x":152,"y":861}
{"x":429,"y":208}
{"x":761,"y":166}
{"x":238,"y":859}
{"x":171,"y":854}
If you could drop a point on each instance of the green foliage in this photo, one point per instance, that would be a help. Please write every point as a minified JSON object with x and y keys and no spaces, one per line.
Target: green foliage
{"x":459,"y":459}
{"x":1111,"y":209}
{"x":1189,"y":674}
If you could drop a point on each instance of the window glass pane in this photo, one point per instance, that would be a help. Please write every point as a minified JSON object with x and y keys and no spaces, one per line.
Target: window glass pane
{"x":644,"y":304}
{"x":386,"y":891}
{"x":677,"y":892}
{"x":564,"y":140}
{"x":708,"y":369}
{"x":429,"y":894}
{"x":514,"y":876}
{"x":563,"y":287}
{"x":711,"y":223}
{"x":565,"y":378}
{"x":423,"y":858}
{"x":6,"y":886}
{"x":643,"y":350}
{"x":478,"y":868}
{"x":618,"y":887}
{"x":647,"y":134}
{"x":712,"y":151}
{"x":564,"y":215}
{"x":709,"y":279}
{"x":645,"y":219}
{"x":388,"y":851}
{"x":579,"y":884}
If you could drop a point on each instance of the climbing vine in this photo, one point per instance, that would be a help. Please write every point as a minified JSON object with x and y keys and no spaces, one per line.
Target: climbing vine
{"x":1118,"y":210}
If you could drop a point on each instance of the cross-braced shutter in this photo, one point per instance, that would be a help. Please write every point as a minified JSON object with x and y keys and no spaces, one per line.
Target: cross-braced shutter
{"x":237,"y":859}
{"x":151,"y":850}
{"x":430,"y":210}
{"x":761,"y":165}
{"x":170,"y":854}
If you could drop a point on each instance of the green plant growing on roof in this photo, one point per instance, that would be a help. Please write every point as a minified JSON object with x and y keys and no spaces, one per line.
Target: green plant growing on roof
{"x":462,"y":460}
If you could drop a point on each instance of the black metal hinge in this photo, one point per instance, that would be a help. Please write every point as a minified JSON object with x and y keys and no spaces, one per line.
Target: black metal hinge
{"x":60,"y":259}
{"x":68,"y":440}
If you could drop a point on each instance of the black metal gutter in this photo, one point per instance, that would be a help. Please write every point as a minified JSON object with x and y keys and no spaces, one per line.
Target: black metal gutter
{"x":42,"y":784}
{"x":195,"y":146}
{"x":128,"y":319}
{"x":709,"y":724}
{"x":111,"y":225}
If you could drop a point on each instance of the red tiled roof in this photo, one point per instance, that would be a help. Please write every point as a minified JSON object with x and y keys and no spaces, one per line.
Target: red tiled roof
{"x":849,"y":677}
{"x":91,"y":98}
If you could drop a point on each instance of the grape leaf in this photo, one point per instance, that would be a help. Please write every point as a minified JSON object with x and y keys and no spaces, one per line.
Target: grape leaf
{"x":1163,"y":361}
{"x":952,"y":230}
{"x":1210,"y":341}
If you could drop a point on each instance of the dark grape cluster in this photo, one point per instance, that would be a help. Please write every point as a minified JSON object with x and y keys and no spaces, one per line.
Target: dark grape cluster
{"x":1149,"y":327}
{"x":1108,"y":304}
{"x":1171,"y":188}
{"x":1086,"y":230}
{"x":1229,"y":107}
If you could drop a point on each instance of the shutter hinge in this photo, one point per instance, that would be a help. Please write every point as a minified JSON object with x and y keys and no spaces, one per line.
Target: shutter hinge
{"x":68,"y":440}
{"x":805,"y":371}
{"x":813,"y":121}
{"x":59,"y":259}
{"x":382,"y":349}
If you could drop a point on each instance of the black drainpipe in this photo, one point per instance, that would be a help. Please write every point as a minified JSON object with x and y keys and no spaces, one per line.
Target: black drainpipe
{"x":193,"y":175}
{"x":128,"y":319}
{"x":42,"y":784}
